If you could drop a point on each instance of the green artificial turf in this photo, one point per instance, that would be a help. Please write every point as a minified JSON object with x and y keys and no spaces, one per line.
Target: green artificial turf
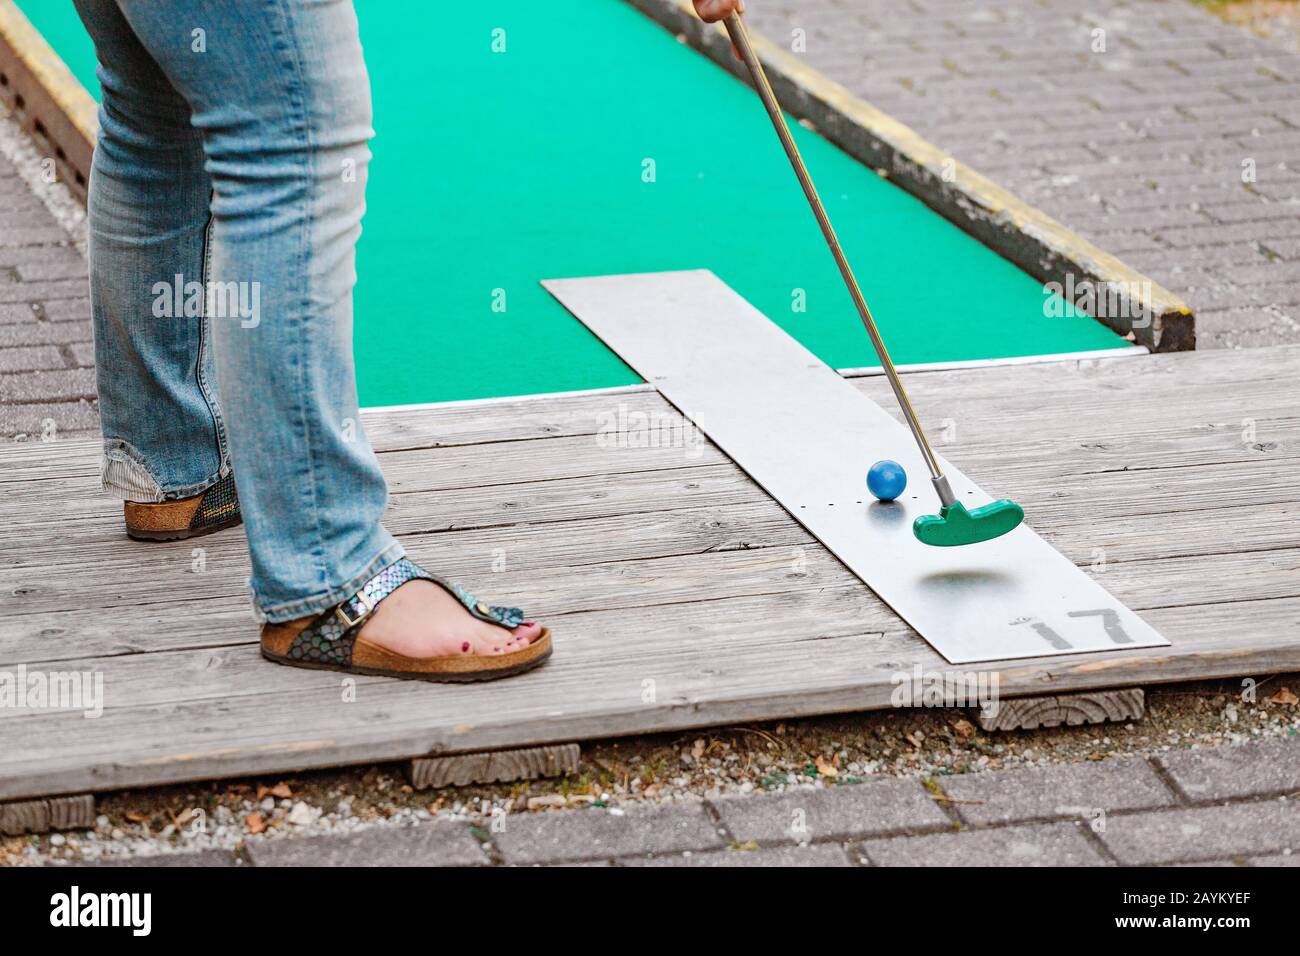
{"x":597,"y":144}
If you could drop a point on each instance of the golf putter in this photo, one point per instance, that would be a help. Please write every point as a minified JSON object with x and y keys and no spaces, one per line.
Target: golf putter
{"x":954,"y":524}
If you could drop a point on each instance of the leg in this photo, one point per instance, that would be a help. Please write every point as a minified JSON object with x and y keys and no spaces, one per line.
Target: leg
{"x":279,"y":91}
{"x":163,"y":432}
{"x":280,"y":98}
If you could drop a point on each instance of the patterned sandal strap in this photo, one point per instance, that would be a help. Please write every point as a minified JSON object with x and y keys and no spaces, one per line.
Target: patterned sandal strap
{"x":330,"y":636}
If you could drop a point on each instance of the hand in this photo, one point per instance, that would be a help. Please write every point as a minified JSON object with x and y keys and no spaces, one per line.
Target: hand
{"x":711,"y":11}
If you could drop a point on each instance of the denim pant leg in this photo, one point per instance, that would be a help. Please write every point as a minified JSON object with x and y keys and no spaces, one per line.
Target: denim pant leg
{"x":148,"y":220}
{"x":278,"y":91}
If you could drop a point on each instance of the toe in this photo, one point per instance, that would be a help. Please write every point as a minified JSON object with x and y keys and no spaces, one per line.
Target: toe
{"x":490,"y":640}
{"x":526,"y":633}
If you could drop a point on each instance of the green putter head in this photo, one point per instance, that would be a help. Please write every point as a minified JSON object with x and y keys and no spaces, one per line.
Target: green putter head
{"x":954,"y":525}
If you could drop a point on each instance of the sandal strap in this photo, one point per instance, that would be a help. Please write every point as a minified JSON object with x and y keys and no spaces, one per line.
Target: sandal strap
{"x":329,"y":638}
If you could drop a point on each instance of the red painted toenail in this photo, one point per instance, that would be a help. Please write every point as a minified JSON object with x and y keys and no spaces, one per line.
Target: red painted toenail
{"x":464,"y":648}
{"x":496,"y":649}
{"x":528,"y":624}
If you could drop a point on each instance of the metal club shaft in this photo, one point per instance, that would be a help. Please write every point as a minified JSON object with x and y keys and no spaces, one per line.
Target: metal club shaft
{"x":740,"y":39}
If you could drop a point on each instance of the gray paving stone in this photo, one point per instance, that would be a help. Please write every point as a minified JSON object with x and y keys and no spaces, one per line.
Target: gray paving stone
{"x":1084,"y":791}
{"x":26,"y":255}
{"x":32,"y":236}
{"x":17,"y":312}
{"x":560,"y":835}
{"x":68,"y":418}
{"x":1042,"y":844}
{"x":60,"y":310}
{"x":50,"y":386}
{"x":1279,"y":859}
{"x":26,"y":359}
{"x":55,"y":267}
{"x":33,"y":332}
{"x":823,"y":854}
{"x":83,"y":353}
{"x":42,"y":291}
{"x":1247,"y":770}
{"x":441,"y":843}
{"x":199,"y":858}
{"x":1204,"y":833}
{"x":845,"y":812}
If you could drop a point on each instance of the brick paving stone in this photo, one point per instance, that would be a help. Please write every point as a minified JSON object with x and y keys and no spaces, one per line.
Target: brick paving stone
{"x":51,"y":386}
{"x":54,"y":267}
{"x":63,"y":310}
{"x":1043,"y":844}
{"x":35,"y":255}
{"x":198,"y":858}
{"x":1246,"y":770}
{"x":42,"y":291}
{"x":824,"y":854}
{"x":1084,"y":790}
{"x":83,"y":353}
{"x":31,"y":357}
{"x":1280,"y":859}
{"x":1204,"y":833}
{"x":15,"y":312}
{"x":34,"y":332}
{"x":442,"y":843}
{"x":843,"y":812}
{"x":68,"y":418}
{"x":32,"y":236}
{"x":559,"y":835}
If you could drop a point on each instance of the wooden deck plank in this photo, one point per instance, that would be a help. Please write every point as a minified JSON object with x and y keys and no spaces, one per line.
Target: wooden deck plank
{"x":737,"y":613}
{"x":1211,"y":491}
{"x":595,"y":695}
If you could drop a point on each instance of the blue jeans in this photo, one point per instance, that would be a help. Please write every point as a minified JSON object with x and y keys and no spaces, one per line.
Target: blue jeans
{"x":226,"y":198}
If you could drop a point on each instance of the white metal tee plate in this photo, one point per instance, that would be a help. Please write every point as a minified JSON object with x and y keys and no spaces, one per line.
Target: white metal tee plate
{"x":807,"y":436}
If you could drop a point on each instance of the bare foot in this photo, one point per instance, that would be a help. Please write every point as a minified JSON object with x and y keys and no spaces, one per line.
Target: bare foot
{"x":420,"y":619}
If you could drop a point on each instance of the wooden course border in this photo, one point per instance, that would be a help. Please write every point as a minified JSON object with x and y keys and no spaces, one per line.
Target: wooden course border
{"x":1139,"y":308}
{"x":47,"y":100}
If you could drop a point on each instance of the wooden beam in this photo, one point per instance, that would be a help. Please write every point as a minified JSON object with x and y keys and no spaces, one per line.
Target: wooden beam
{"x":1094,"y":707}
{"x":493,"y":766}
{"x":76,"y":812}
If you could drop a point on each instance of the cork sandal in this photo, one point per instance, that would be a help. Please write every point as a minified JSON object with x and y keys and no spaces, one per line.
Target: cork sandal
{"x":180,"y":518}
{"x":329,"y":640}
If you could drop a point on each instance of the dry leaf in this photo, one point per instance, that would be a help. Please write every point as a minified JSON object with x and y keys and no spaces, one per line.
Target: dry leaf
{"x":185,"y":817}
{"x":137,"y":817}
{"x":1284,"y":696}
{"x":965,"y":729}
{"x":827,"y":767}
{"x":653,"y":789}
{"x":255,"y":822}
{"x":546,"y":800}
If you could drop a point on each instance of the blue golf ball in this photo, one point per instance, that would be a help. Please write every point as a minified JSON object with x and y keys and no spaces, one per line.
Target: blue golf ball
{"x":886,"y":480}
